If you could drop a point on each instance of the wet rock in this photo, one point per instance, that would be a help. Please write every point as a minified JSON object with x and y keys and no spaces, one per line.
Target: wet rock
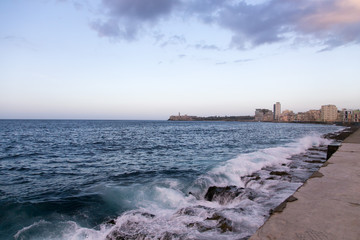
{"x":326,"y":164}
{"x":187,"y":211}
{"x":279,"y":173}
{"x":254,"y":176}
{"x":193,"y":210}
{"x":270,"y":178}
{"x":215,"y":216}
{"x":282,"y":205}
{"x":251,"y":194}
{"x":248,"y":178}
{"x":147,"y":215}
{"x":201,"y":227}
{"x":317,"y":175}
{"x":291,"y":199}
{"x":342,"y":135}
{"x":224,"y":224}
{"x":223,"y":195}
{"x":170,"y":236}
{"x":119,"y":235}
{"x":314,"y":161}
{"x":279,"y":208}
{"x":131,"y":229}
{"x":111,"y":222}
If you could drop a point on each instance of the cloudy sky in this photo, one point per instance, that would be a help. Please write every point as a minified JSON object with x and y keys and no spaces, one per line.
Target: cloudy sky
{"x":148,"y":59}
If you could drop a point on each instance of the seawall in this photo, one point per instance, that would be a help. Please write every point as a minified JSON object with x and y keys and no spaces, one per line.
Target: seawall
{"x":327,"y":206}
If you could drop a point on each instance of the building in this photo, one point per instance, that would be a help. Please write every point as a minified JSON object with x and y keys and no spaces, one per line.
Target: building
{"x":348,"y":116}
{"x":329,"y":113}
{"x":277,"y":111}
{"x":287,"y":116}
{"x":263,"y":115}
{"x":313,"y":116}
{"x":300,"y":117}
{"x":356,"y":116}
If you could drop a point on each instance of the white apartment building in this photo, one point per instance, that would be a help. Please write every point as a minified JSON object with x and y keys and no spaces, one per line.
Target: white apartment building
{"x":329,"y":113}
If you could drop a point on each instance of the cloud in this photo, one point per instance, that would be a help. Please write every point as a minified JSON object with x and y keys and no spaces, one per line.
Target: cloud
{"x":206,"y":47}
{"x":330,"y":23}
{"x":336,"y":24}
{"x":18,"y":41}
{"x":174,"y":40}
{"x":243,"y":60}
{"x":126,"y":18}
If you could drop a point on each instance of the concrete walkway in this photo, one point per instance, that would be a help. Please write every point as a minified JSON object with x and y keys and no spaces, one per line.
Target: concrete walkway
{"x":327,"y":205}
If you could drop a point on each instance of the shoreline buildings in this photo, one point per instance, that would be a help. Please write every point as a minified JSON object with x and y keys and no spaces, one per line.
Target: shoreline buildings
{"x":327,"y":114}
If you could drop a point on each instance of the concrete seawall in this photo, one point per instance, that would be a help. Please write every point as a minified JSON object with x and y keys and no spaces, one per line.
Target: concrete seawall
{"x":327,"y":206}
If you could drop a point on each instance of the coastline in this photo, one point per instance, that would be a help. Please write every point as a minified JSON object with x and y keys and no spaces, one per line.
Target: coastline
{"x":275,"y":179}
{"x":187,"y":118}
{"x":305,"y":214}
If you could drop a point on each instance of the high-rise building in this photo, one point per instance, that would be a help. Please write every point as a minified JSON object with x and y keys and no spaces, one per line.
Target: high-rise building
{"x":329,"y":113}
{"x":277,"y":111}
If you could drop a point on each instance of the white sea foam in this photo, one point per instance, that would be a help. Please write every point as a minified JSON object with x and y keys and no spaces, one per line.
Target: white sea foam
{"x":230,"y":172}
{"x":23,"y":230}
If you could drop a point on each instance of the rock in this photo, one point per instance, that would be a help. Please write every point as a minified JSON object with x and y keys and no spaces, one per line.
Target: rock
{"x":291,"y":199}
{"x":317,"y":175}
{"x":223,"y":194}
{"x":282,"y":205}
{"x":279,"y":173}
{"x":111,"y":222}
{"x":251,"y":194}
{"x":170,"y":236}
{"x":314,"y":161}
{"x":201,"y":227}
{"x":279,"y":208}
{"x":187,"y":211}
{"x":224,"y":224}
{"x":215,"y":216}
{"x":119,"y":235}
{"x":147,"y":215}
{"x":248,"y":178}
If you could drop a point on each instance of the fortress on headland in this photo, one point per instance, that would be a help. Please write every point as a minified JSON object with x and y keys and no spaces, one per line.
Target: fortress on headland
{"x":327,"y":114}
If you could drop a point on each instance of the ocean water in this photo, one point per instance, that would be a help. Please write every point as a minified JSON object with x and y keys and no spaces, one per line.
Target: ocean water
{"x":143,"y":179}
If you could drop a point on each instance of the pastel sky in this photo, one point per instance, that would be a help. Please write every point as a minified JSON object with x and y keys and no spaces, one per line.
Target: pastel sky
{"x":148,"y":59}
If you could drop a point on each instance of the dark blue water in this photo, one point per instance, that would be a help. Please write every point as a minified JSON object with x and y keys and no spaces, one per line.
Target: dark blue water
{"x":65,"y":179}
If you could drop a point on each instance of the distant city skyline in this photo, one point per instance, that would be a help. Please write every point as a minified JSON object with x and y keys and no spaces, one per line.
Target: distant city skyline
{"x":100,"y":59}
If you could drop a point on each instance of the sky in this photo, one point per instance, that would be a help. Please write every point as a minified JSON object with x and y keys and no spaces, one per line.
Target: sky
{"x":149,"y":59}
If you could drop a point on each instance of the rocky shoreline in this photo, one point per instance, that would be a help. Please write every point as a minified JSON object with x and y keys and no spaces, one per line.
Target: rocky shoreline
{"x":276,"y":178}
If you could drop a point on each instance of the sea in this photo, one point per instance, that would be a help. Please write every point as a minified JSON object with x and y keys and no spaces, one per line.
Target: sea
{"x":85,"y":179}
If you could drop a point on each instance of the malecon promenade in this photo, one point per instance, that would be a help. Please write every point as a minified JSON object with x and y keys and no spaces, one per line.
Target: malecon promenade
{"x":327,"y":206}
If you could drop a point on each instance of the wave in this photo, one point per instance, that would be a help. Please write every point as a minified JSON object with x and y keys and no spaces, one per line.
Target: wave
{"x":171,"y":211}
{"x":245,"y":164}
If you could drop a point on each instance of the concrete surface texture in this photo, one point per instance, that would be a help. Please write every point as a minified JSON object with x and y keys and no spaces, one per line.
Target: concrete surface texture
{"x":327,"y":205}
